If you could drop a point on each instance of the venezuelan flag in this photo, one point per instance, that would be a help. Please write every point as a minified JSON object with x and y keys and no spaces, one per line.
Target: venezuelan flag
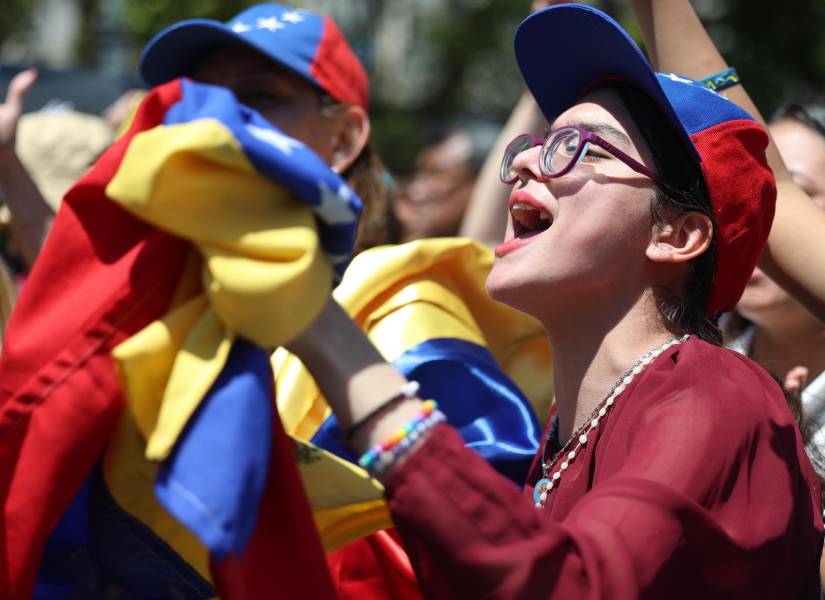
{"x":133,"y":372}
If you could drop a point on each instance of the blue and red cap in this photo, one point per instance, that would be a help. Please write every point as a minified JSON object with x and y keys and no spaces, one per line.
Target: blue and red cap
{"x":566,"y":50}
{"x":309,"y":44}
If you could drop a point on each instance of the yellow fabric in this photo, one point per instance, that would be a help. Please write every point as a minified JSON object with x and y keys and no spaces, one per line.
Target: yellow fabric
{"x":402,"y":296}
{"x":263,"y":274}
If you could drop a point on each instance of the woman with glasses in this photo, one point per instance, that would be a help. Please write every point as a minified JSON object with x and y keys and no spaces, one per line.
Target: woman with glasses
{"x":671,"y":467}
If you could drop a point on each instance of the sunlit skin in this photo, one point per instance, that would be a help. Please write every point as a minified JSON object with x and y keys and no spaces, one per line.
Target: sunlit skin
{"x":788,"y":335}
{"x":433,"y":202}
{"x":590,"y":277}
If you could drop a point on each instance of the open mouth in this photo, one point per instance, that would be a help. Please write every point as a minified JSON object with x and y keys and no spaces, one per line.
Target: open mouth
{"x":529,"y":220}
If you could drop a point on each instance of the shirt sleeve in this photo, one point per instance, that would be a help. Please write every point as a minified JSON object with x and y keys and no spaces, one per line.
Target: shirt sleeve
{"x":703,"y":505}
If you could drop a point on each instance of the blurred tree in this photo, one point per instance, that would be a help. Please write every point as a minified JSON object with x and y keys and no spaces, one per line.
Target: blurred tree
{"x":15,"y":18}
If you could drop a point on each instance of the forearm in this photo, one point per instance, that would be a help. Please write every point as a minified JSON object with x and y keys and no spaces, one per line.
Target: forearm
{"x":486,"y":214}
{"x":677,"y":41}
{"x":31,"y":215}
{"x":352,"y":375}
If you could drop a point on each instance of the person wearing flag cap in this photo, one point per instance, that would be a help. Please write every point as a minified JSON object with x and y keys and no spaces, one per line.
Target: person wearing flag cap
{"x":672,"y":467}
{"x":296,"y":68}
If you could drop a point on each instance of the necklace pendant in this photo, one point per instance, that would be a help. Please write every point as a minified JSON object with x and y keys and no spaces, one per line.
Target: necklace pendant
{"x":540,"y":490}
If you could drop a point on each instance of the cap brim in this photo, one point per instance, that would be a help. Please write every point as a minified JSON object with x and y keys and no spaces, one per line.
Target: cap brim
{"x":177,"y":50}
{"x":564,"y":50}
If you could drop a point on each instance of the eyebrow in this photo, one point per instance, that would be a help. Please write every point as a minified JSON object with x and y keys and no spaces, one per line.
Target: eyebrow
{"x":604,"y":130}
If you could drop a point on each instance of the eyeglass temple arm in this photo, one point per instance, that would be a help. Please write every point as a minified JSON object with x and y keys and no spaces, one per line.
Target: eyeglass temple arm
{"x":628,"y":160}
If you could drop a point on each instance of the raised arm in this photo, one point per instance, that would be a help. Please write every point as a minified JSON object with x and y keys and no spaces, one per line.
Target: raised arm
{"x":31,"y":214}
{"x":486,"y":214}
{"x":677,"y":42}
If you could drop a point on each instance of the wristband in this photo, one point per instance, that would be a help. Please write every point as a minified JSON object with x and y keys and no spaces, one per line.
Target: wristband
{"x":722,"y":80}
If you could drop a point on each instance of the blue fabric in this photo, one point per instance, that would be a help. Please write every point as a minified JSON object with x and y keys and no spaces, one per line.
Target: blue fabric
{"x":214,"y":480}
{"x":284,"y":160}
{"x":98,"y":550}
{"x":479,"y":400}
{"x":288,"y":36}
{"x":594,"y":48}
{"x":58,"y":575}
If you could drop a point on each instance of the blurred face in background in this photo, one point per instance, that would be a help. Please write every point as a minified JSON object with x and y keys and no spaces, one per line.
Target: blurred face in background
{"x":803,"y":151}
{"x":433,"y":201}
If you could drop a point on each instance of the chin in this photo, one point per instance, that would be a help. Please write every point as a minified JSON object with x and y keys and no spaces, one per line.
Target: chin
{"x":515,"y":293}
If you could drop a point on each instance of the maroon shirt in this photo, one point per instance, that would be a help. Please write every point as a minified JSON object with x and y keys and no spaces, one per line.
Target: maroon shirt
{"x":696,"y":484}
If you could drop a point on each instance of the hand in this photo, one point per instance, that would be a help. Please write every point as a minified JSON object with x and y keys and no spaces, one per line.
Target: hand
{"x":12,"y":108}
{"x":796,"y":379}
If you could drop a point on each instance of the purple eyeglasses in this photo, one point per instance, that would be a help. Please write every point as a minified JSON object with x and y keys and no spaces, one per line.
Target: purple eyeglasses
{"x":562,"y":150}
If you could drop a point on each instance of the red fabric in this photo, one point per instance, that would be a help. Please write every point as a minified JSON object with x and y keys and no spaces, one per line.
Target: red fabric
{"x":696,"y":485}
{"x":101,"y":277}
{"x":374,"y":568}
{"x":740,"y":176}
{"x":284,"y":557}
{"x":338,"y":70}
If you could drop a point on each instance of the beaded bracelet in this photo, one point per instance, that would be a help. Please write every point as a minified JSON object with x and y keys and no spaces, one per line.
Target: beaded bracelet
{"x":384,"y":454}
{"x":722,"y":80}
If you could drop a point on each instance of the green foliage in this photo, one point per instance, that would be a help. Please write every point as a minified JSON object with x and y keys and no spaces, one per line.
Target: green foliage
{"x":15,"y":18}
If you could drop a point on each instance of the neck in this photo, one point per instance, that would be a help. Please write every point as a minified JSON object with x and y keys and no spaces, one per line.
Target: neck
{"x":591,"y":351}
{"x":781,"y":347}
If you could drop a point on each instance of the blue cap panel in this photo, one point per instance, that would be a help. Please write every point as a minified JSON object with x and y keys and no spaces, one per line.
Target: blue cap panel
{"x":288,"y":36}
{"x":298,"y":34}
{"x":697,"y":106}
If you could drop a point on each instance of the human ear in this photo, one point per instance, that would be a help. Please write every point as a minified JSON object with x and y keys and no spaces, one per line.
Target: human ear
{"x":351,"y":132}
{"x":680,"y":239}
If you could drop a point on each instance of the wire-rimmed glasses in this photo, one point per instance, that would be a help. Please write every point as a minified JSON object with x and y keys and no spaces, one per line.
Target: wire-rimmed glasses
{"x":562,"y":150}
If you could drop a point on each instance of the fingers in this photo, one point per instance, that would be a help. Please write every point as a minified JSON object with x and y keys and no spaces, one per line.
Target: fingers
{"x":796,"y":379}
{"x":18,"y":88}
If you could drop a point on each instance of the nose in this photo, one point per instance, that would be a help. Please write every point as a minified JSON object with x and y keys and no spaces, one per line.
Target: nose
{"x":526,"y":165}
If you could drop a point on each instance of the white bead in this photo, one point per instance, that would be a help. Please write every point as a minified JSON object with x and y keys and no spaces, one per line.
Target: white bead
{"x":602,"y":412}
{"x":556,"y":475}
{"x":627,"y":380}
{"x":582,"y":439}
{"x":564,"y":465}
{"x":610,"y":401}
{"x":386,"y":458}
{"x":637,"y":369}
{"x":619,"y":389}
{"x":543,"y":496}
{"x":647,"y":359}
{"x":538,"y":505}
{"x":549,"y":486}
{"x":571,"y":455}
{"x":594,"y":423}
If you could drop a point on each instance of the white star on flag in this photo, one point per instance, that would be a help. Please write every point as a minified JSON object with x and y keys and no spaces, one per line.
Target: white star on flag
{"x":334,"y":208}
{"x":292,"y":16}
{"x":271,"y":23}
{"x":240,"y":27}
{"x":282,"y":142}
{"x":675,"y":77}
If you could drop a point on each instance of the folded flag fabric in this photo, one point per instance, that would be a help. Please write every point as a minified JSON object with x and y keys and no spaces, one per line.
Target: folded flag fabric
{"x":425,"y":307}
{"x":200,"y":227}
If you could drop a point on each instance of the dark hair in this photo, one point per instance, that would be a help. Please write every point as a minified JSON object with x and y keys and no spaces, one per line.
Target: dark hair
{"x":808,"y":111}
{"x":682,"y":310}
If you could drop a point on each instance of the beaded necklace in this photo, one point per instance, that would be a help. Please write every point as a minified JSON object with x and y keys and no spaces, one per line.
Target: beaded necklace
{"x":579,"y":438}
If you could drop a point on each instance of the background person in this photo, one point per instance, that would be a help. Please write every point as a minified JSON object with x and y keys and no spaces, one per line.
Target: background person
{"x":432,"y":202}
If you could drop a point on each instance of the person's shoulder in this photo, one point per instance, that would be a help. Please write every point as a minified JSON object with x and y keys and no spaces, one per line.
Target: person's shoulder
{"x":723,"y":384}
